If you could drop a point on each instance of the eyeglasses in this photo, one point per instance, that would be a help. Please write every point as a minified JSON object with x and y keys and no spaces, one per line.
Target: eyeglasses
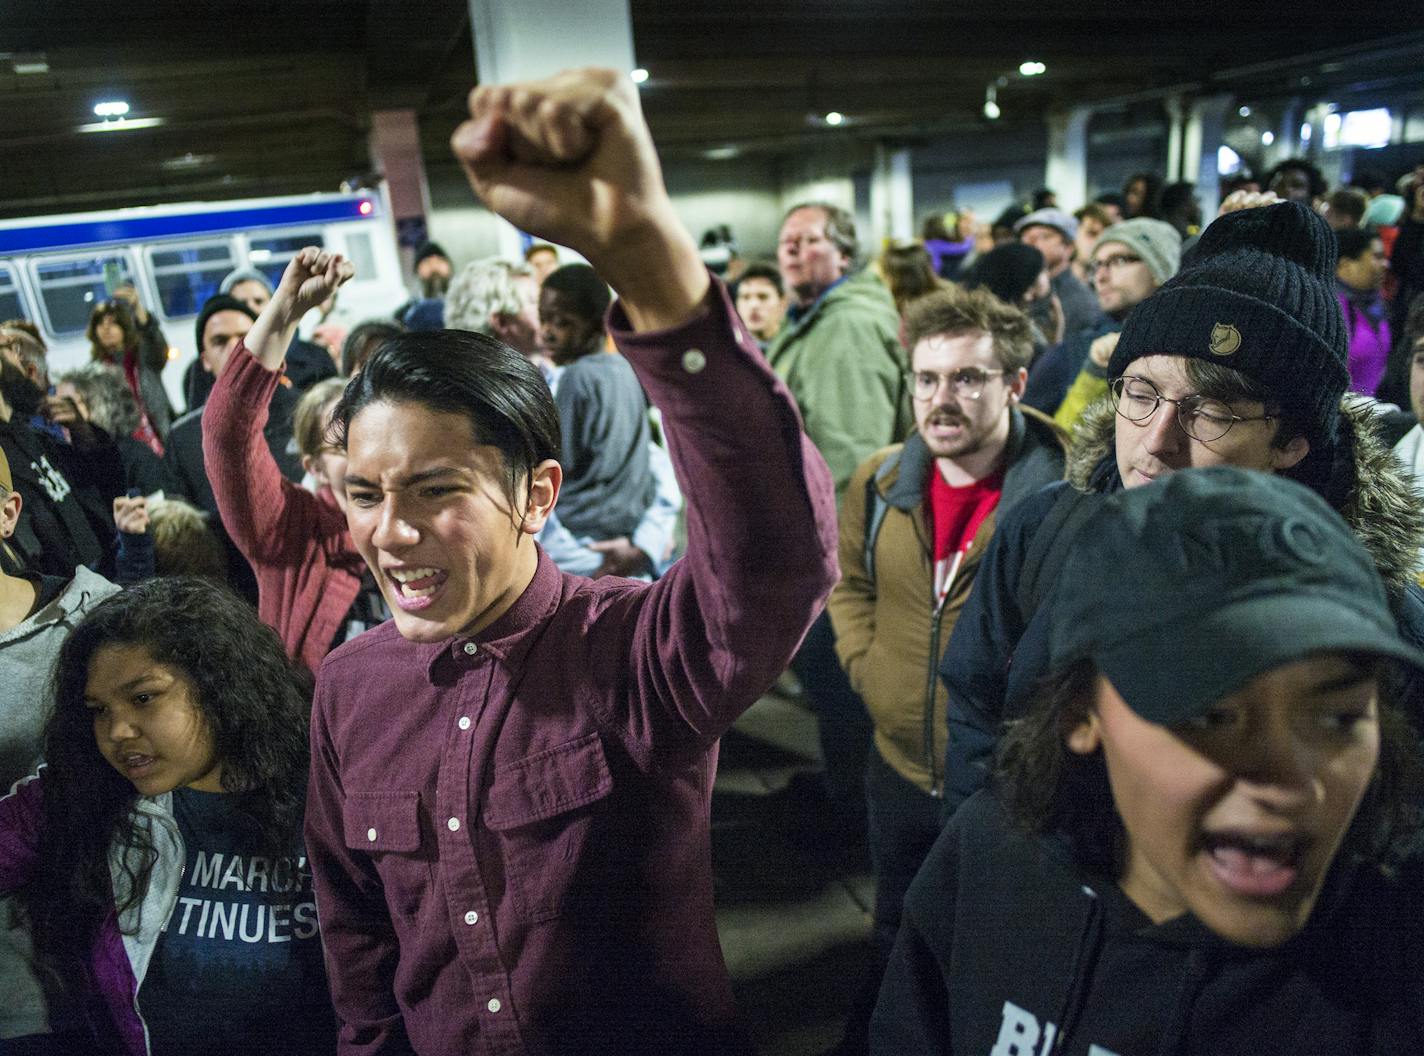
{"x":1114,"y":263}
{"x":967,"y":382}
{"x":1200,"y":417}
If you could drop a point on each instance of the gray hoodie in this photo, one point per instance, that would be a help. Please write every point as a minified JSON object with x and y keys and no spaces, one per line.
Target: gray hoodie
{"x":27,"y":654}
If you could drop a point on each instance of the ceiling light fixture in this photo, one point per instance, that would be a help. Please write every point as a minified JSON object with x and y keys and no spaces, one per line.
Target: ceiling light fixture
{"x":835,"y":118}
{"x":121,"y":125}
{"x":991,"y":103}
{"x":1267,"y":138}
{"x":1032,"y":69}
{"x":111,"y":108}
{"x":721,"y":153}
{"x":1244,"y":111}
{"x":640,"y":75}
{"x":30,"y":67}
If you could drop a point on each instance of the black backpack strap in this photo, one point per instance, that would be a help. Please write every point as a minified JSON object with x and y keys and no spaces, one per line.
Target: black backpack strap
{"x":1050,"y":547}
{"x":875,"y":509}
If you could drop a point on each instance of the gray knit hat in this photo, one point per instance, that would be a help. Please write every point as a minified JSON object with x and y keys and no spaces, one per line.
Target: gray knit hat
{"x":1256,"y":294}
{"x":1054,"y":218}
{"x":244,"y":275}
{"x":1155,"y":241}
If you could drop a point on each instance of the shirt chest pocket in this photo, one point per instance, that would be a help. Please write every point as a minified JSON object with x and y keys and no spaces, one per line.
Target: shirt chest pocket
{"x":388,"y":827}
{"x":542,"y":810}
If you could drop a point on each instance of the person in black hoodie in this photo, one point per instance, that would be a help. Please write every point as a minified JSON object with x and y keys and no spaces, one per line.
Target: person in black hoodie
{"x":68,"y":488}
{"x":1202,"y":837}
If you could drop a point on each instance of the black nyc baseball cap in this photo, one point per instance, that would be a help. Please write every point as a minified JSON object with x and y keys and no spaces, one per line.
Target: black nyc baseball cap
{"x":1183,"y":590}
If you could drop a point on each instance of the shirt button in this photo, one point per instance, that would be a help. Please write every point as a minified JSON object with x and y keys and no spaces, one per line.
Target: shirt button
{"x":471,"y":648}
{"x":453,"y":824}
{"x":464,"y":722}
{"x":370,"y":835}
{"x":493,"y":1005}
{"x":472,"y":917}
{"x":693,"y":361}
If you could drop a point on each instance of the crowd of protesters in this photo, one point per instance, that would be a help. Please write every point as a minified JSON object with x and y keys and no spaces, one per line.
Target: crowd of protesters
{"x":1094,"y":541}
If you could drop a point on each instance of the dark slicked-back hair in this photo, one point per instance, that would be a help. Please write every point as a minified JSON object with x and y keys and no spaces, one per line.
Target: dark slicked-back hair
{"x":500,"y":393}
{"x":588,"y":295}
{"x":252,"y":700}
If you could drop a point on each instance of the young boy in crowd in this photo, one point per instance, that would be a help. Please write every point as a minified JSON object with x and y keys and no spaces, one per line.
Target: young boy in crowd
{"x":1193,"y":839}
{"x":509,"y":805}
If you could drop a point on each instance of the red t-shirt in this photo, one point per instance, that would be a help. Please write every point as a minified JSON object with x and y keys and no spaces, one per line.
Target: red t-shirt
{"x":955,"y":515}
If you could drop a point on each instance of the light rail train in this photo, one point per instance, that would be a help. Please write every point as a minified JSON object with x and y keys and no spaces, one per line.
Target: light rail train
{"x":54,"y":269}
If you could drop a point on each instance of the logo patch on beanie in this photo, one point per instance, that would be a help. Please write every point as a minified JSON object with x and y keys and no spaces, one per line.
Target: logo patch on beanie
{"x":1225,"y":339}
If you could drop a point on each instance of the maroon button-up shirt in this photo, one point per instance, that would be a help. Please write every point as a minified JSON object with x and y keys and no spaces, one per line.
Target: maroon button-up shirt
{"x":509,"y":833}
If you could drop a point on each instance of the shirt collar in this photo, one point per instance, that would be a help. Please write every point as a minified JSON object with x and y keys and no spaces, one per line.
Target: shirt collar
{"x":511,"y":636}
{"x":796,"y":314}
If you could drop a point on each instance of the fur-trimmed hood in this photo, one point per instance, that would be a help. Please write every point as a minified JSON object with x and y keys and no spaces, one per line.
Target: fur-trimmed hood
{"x":1367,"y":485}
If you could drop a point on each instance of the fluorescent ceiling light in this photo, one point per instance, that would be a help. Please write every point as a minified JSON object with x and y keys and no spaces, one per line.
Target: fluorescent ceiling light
{"x":38,"y":66}
{"x":1032,"y":69}
{"x":639,"y":75}
{"x":835,"y":118}
{"x":121,"y":125}
{"x":111,"y":108}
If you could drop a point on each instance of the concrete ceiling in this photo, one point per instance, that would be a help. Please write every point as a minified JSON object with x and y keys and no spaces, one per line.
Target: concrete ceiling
{"x":263,"y":97}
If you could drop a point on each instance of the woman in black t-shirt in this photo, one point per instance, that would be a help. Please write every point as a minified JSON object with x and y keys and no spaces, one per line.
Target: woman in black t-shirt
{"x":159,"y":849}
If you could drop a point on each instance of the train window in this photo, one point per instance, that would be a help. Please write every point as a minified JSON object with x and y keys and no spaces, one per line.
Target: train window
{"x":269,"y":253}
{"x":361,"y":255}
{"x":69,"y":287}
{"x":187,"y":275}
{"x":12,"y":306}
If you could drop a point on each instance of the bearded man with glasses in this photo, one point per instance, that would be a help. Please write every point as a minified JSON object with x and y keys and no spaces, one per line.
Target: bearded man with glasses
{"x":915,"y":523}
{"x":1241,"y":359}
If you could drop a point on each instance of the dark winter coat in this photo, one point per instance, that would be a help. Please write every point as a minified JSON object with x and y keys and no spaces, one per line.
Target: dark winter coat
{"x":998,"y":653}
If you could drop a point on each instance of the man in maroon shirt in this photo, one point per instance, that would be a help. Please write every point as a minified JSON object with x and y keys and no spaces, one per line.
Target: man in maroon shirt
{"x":507,"y":818}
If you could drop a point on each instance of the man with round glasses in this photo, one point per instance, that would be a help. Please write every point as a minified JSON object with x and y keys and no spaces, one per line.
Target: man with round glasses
{"x":1130,"y":262}
{"x":1241,"y":359}
{"x":915,"y":522}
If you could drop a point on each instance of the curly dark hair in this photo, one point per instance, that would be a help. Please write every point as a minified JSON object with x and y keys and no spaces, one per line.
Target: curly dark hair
{"x":1050,"y":789}
{"x":255,"y":702}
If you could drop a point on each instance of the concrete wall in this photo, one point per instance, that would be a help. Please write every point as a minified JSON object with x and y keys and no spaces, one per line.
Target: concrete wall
{"x":987,"y":169}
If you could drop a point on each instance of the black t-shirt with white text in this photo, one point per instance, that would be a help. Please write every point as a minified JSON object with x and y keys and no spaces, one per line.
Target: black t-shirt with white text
{"x":238,"y":968}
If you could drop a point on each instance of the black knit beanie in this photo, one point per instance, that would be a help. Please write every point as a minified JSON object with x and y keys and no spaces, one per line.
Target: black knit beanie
{"x":1008,"y":271}
{"x":1256,"y":294}
{"x":219,"y":302}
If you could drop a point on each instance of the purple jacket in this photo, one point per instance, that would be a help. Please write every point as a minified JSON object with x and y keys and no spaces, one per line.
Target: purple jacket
{"x":509,"y":833}
{"x":1368,"y":327}
{"x":110,"y":963}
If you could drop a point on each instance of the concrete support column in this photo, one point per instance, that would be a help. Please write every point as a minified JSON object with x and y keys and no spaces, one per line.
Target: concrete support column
{"x":1067,"y":168}
{"x":395,"y":151}
{"x":1173,"y":105}
{"x":1201,"y":139}
{"x":892,"y":205}
{"x":534,"y":38}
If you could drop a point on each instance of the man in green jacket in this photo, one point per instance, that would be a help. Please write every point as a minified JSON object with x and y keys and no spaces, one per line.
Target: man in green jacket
{"x":839,"y":354}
